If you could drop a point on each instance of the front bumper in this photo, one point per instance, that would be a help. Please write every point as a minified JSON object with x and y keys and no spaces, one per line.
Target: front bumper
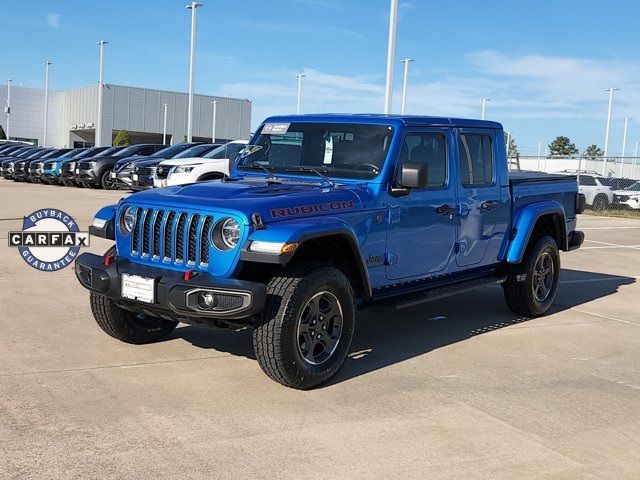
{"x":122,"y":178}
{"x":174,"y":296}
{"x":86,"y":176}
{"x":7,"y":172}
{"x":142,"y":182}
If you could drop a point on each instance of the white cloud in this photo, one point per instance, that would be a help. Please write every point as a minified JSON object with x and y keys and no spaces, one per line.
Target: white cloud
{"x":53,"y":20}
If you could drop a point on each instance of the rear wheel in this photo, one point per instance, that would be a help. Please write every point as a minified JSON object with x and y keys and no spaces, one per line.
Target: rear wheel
{"x":303,"y":334}
{"x":127,"y":326}
{"x":600,"y":202}
{"x":531,"y":285}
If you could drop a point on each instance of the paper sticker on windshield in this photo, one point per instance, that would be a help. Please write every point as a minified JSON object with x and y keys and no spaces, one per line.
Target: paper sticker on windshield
{"x":275,"y":128}
{"x":328,"y":150}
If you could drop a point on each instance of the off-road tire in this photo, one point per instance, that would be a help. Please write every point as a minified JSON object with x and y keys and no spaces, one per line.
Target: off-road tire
{"x":275,"y":336}
{"x":127,"y":326}
{"x":519,"y":286}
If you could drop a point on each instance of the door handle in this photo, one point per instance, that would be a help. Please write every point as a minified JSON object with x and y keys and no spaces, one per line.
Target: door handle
{"x":446,"y":210}
{"x":489,"y":204}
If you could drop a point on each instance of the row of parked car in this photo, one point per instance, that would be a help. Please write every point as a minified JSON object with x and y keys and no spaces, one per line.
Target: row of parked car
{"x":135,"y":167}
{"x":603,"y":193}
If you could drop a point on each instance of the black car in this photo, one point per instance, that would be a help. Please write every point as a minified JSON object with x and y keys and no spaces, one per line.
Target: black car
{"x":145,"y":172}
{"x":36,"y":168}
{"x":68,"y":167}
{"x":21,"y":167}
{"x":8,"y":162}
{"x":123,"y":169}
{"x":95,"y":172}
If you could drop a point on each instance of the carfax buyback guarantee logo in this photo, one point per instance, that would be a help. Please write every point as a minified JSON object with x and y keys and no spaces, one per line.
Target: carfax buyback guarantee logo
{"x":50,"y":239}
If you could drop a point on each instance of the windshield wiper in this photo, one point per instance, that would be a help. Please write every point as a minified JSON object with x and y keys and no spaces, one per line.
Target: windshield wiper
{"x":257,"y":164}
{"x":327,"y":180}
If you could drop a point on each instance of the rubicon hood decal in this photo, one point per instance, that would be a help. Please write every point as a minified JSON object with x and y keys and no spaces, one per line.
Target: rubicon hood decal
{"x":313,"y":208}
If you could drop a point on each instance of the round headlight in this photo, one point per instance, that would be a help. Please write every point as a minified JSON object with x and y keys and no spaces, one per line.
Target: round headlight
{"x":127,"y":220}
{"x":226,"y":234}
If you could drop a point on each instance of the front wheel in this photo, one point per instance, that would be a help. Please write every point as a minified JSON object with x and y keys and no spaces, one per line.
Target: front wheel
{"x":531,"y":285}
{"x":127,"y":326}
{"x":303,"y":334}
{"x":600,"y":203}
{"x":106,"y":182}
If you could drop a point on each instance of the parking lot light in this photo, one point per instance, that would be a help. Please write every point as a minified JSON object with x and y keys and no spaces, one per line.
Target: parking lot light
{"x":164,"y":126}
{"x":391,"y":55}
{"x":8,"y":108}
{"x":215,"y":115}
{"x":299,"y":76}
{"x":193,"y":7}
{"x":47,"y":64}
{"x":406,"y":62}
{"x":98,"y":134}
{"x":606,"y":136}
{"x":624,"y":145}
{"x":484,"y":107}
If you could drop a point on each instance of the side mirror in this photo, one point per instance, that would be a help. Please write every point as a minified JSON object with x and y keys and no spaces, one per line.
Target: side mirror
{"x":413,"y":175}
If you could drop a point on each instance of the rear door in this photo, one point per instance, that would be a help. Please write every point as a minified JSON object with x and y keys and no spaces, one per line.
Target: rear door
{"x":422,"y":229}
{"x":484,"y":207}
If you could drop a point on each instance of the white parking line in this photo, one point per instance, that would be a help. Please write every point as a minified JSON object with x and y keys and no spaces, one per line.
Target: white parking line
{"x":610,"y":245}
{"x":606,"y":317}
{"x":590,"y":280}
{"x":607,"y":228}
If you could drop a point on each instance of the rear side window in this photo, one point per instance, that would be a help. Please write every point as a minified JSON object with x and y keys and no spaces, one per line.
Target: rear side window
{"x":476,"y":160}
{"x":427,"y":148}
{"x":586,"y":181}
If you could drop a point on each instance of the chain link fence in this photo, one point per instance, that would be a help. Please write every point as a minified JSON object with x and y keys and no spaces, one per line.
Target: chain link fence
{"x":611,"y":185}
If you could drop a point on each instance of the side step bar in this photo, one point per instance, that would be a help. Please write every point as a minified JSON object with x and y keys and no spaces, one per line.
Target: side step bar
{"x":437,"y":292}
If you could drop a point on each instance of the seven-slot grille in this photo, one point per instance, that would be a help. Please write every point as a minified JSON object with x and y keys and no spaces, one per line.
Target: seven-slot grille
{"x":172,"y":236}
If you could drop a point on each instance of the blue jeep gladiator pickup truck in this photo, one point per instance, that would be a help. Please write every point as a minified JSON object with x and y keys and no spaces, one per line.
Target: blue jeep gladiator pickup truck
{"x":322,"y":215}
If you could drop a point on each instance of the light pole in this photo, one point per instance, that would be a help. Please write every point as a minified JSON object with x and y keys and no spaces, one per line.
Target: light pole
{"x":606,"y":136}
{"x":98,"y":139}
{"x":192,"y":6}
{"x":47,"y":64}
{"x":8,"y":108}
{"x":624,"y":145}
{"x":635,"y":160}
{"x":164,"y":126}
{"x":484,"y":107}
{"x":391,"y":55}
{"x":406,"y":62}
{"x":539,"y":152}
{"x":299,"y":76}
{"x":215,"y":116}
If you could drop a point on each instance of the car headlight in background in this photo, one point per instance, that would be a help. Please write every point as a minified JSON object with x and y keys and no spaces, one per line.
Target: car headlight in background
{"x":52,"y":166}
{"x":127,"y":220}
{"x":226,"y":234}
{"x":184,"y":168}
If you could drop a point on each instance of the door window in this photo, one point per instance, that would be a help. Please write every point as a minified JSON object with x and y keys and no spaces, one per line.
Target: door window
{"x":476,"y":160}
{"x":427,"y":148}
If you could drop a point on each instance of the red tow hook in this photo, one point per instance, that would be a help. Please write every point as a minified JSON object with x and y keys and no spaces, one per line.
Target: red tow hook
{"x":189,"y":274}
{"x":108,"y":259}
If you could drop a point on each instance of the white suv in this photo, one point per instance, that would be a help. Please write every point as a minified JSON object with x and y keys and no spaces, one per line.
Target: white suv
{"x":629,"y":196}
{"x":214,"y":165}
{"x":595,"y":188}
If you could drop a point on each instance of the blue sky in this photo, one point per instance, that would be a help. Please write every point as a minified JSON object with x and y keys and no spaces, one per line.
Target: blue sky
{"x":544,"y":64}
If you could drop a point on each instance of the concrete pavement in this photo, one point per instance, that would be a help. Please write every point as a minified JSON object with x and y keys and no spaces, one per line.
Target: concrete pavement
{"x":459,"y":388}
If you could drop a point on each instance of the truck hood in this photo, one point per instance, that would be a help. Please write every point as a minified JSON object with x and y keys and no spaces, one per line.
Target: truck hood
{"x":273,"y":201}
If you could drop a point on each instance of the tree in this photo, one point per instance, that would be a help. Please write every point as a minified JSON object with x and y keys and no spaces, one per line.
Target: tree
{"x":513,"y":148}
{"x":122,"y":139}
{"x":562,"y":147}
{"x":3,"y":136}
{"x":593,"y":152}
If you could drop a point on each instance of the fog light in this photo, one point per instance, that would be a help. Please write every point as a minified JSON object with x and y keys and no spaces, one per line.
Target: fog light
{"x":207,"y":301}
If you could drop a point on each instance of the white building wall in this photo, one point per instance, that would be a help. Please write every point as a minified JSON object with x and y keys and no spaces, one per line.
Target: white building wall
{"x":136,"y":110}
{"x":27,"y":114}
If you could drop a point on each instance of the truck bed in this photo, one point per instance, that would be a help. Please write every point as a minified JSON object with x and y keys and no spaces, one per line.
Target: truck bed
{"x":528,"y":176}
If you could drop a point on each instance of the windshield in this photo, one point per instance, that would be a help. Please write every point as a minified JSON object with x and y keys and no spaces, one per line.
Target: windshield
{"x":129,"y":151}
{"x":634,"y":186}
{"x":335,"y":149}
{"x":228,"y":150}
{"x":172,"y":151}
{"x":196,"y":151}
{"x":27,"y":153}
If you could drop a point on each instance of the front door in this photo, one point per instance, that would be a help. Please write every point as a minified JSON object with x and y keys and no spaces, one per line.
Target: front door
{"x":483,"y":204}
{"x":422,"y":225}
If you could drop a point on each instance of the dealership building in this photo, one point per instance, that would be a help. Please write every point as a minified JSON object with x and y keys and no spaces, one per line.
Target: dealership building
{"x":73,"y":115}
